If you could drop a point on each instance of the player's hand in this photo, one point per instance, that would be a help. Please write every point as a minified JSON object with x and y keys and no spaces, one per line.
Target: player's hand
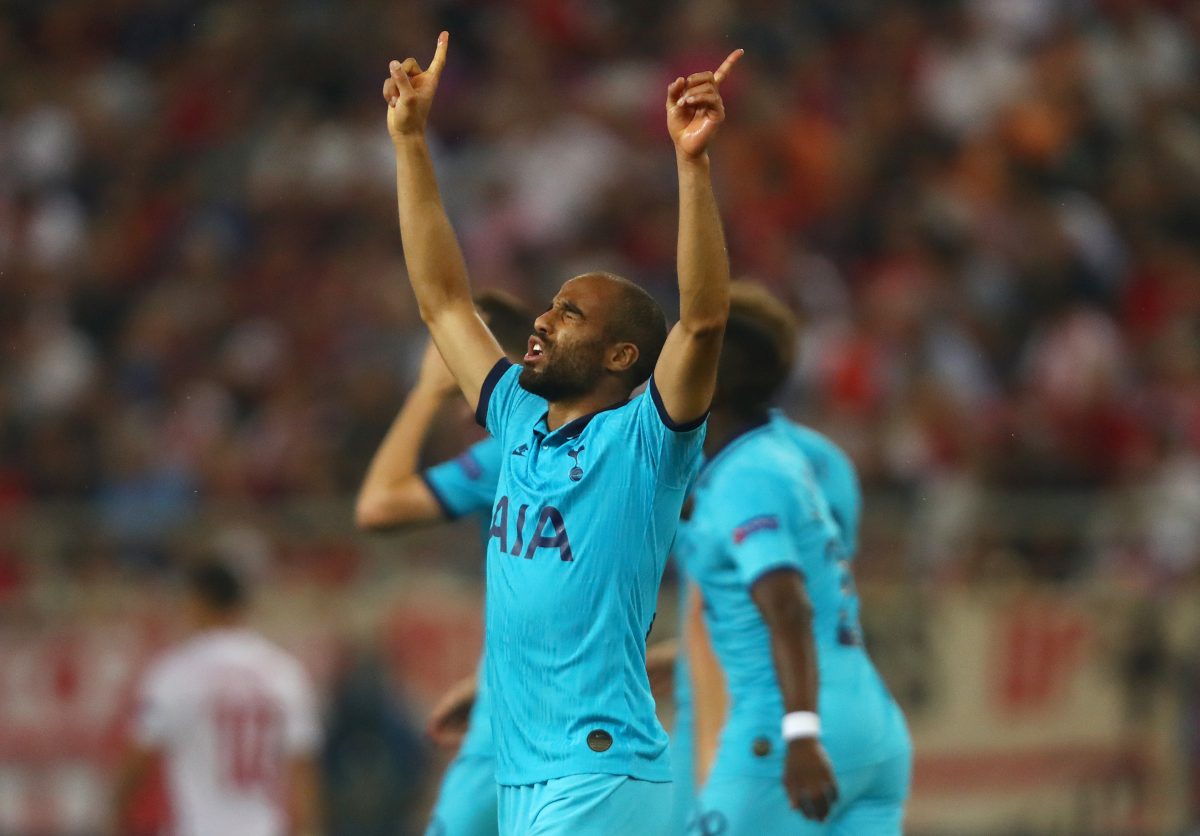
{"x":808,"y":779}
{"x":409,"y":91}
{"x":695,"y":109}
{"x":450,"y":718}
{"x":435,"y":377}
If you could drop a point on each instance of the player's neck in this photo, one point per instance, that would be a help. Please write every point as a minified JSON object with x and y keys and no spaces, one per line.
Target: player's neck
{"x":213,"y":622}
{"x":724,"y":425}
{"x":563,"y":412}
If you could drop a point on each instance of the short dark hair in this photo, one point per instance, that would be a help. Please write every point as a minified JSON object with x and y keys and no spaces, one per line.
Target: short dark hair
{"x":509,"y":319}
{"x":217,"y":585}
{"x":636,"y":318}
{"x":759,"y":349}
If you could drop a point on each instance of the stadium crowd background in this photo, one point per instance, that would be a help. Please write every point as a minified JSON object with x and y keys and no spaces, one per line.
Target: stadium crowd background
{"x":987,"y":215}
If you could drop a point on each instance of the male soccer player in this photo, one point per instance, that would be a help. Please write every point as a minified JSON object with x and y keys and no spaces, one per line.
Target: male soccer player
{"x":395,"y":494}
{"x":591,"y":482}
{"x":235,"y":718}
{"x":810,"y":726}
{"x":693,"y":739}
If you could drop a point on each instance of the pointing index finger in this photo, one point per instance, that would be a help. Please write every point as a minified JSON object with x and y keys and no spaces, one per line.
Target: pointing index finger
{"x":439,"y":55}
{"x":727,"y":65}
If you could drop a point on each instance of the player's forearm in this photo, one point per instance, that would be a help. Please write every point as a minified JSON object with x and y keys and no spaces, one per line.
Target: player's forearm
{"x":783,"y":602}
{"x":396,"y":461}
{"x":703,"y":262}
{"x":435,"y":263}
{"x":795,"y":655}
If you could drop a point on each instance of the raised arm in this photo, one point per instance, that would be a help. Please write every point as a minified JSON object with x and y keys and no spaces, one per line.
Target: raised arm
{"x":435,"y":263}
{"x":393,"y":494}
{"x":686,"y":373}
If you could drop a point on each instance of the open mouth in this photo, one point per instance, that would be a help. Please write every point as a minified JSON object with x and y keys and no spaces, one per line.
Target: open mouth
{"x":535,"y":351}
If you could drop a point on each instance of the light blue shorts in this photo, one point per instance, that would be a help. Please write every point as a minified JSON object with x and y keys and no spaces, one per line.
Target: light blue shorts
{"x":466,"y":804}
{"x":586,"y":805}
{"x":683,"y":775}
{"x":870,"y":803}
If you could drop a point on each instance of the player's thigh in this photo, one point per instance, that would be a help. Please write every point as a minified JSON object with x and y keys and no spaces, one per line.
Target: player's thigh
{"x":601,"y":805}
{"x":466,"y":804}
{"x":745,"y":806}
{"x":877,"y":804}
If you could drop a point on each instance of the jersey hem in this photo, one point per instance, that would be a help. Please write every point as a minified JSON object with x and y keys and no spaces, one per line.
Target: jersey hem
{"x":772,"y":568}
{"x":668,"y":422}
{"x":447,"y":512}
{"x":656,"y":777}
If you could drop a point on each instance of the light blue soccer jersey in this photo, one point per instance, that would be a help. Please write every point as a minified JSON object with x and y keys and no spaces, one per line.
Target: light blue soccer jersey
{"x":757,"y":509}
{"x":835,"y":475}
{"x":467,"y":485}
{"x":838,"y":482}
{"x":583,"y":520}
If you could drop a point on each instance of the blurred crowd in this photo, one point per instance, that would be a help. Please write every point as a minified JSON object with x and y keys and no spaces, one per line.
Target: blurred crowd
{"x":986,"y":213}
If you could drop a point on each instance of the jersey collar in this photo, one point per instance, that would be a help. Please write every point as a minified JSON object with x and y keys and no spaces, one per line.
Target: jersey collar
{"x":575,"y":427}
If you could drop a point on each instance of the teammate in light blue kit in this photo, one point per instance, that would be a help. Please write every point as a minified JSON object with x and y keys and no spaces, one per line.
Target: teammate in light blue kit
{"x":782,"y":613}
{"x":838,"y":482}
{"x":393,"y":495}
{"x":591,"y":482}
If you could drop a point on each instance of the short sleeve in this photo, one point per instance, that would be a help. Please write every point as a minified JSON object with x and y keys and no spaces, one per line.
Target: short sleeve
{"x":500,"y":396}
{"x":466,"y":483}
{"x":765,"y":525}
{"x":302,"y":726}
{"x":675,"y":448}
{"x":152,"y":721}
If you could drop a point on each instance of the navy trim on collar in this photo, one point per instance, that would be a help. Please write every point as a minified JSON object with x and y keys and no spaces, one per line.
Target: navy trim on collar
{"x":575,"y":427}
{"x":485,"y":391}
{"x":685,"y":427}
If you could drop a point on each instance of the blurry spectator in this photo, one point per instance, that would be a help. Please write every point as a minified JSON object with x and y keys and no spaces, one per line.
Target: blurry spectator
{"x":985,"y":212}
{"x":374,"y":759}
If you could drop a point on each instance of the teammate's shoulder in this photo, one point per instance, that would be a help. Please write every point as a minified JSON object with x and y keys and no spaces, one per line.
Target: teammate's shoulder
{"x":484,"y":454}
{"x":811,"y":442}
{"x":762,"y":459}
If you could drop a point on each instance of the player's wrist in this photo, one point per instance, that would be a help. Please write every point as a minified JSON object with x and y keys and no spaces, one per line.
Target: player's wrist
{"x":695,"y":162}
{"x":405,"y":138}
{"x":801,"y":725}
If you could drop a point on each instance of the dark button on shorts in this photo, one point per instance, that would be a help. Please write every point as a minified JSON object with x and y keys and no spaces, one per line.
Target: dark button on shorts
{"x":599,"y":740}
{"x":761,"y":747}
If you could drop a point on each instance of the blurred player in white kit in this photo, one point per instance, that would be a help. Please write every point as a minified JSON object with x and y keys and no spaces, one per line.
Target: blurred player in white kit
{"x":234,"y":718}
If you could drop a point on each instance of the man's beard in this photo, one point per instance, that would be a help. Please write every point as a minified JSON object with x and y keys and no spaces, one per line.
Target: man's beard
{"x":565,"y":374}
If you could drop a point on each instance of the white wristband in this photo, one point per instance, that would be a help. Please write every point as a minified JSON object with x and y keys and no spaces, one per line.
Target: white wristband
{"x":801,"y":724}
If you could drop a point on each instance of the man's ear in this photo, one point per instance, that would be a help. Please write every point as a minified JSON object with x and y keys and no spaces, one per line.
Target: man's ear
{"x":621,"y":357}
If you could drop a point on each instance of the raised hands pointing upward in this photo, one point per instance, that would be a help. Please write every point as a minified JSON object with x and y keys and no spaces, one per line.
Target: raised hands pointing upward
{"x":695,"y":109}
{"x":409,"y":91}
